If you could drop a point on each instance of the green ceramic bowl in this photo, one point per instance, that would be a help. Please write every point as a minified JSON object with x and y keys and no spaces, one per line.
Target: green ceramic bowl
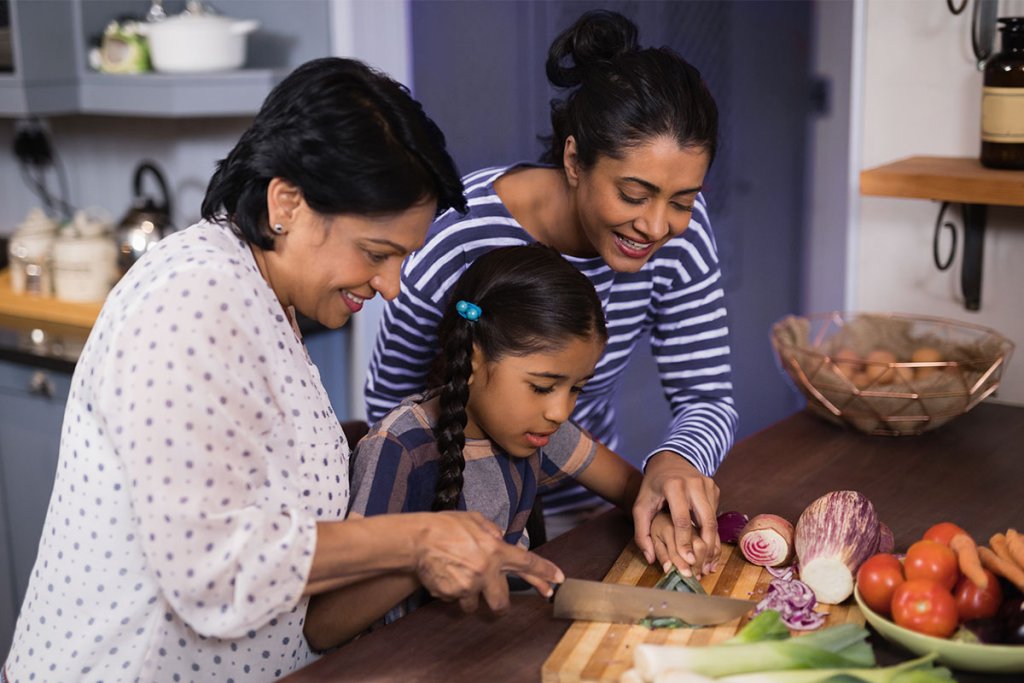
{"x":952,"y":653}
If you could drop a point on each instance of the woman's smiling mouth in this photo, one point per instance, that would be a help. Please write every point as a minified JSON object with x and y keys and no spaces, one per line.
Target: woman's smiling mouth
{"x":353,"y":301}
{"x":632,"y":248}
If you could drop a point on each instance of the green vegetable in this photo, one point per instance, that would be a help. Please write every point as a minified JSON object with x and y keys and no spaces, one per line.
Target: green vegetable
{"x":765,"y":626}
{"x":921,"y":670}
{"x":673,"y":581}
{"x":835,"y":647}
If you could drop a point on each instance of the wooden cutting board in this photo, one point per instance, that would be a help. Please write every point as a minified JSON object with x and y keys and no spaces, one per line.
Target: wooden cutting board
{"x":594,"y":651}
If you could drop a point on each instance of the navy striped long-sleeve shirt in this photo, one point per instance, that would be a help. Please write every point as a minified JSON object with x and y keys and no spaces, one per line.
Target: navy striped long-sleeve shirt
{"x":676,"y":299}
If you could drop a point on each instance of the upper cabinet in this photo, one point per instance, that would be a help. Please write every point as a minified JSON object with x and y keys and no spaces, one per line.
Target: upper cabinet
{"x":50,"y":74}
{"x":37,"y":57}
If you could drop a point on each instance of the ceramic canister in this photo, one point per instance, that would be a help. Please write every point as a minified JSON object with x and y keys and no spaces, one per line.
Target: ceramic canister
{"x":84,"y":260}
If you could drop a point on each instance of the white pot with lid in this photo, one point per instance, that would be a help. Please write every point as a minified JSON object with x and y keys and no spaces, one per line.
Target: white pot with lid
{"x":197,"y":42}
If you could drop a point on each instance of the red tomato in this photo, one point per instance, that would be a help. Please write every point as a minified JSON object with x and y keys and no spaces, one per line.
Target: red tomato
{"x":926,"y":607}
{"x":931,"y":560}
{"x":973,"y":602}
{"x":942,"y":532}
{"x":877,"y":579}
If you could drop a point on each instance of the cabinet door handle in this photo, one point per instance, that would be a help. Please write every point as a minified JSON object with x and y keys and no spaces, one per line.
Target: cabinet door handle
{"x":41,"y":385}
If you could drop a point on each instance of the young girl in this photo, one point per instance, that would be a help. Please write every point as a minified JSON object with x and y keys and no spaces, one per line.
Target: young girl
{"x":519,"y":339}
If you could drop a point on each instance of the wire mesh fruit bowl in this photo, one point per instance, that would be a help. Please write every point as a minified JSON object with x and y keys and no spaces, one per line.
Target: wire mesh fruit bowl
{"x":890,"y":373}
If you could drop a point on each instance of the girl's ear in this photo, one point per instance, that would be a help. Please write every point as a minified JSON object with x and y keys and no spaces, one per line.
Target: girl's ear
{"x":571,"y":162}
{"x":478,"y":363}
{"x":283,"y":200}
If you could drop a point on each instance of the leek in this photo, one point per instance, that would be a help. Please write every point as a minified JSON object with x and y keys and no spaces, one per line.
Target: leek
{"x":836,"y":647}
{"x":765,"y":626}
{"x":673,"y":581}
{"x":920,"y":670}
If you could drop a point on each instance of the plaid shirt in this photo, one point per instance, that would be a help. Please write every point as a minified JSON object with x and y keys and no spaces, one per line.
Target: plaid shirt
{"x":394,"y":469}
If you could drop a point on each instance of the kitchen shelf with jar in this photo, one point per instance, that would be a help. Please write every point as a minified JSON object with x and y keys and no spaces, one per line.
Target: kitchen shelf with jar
{"x":51,"y":41}
{"x":951,"y":180}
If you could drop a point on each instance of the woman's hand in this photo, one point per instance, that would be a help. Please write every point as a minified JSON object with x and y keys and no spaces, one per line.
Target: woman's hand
{"x":462,"y":556}
{"x":690,"y":496}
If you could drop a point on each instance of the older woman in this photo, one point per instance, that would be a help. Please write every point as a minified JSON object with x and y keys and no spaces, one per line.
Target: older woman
{"x":203,"y":476}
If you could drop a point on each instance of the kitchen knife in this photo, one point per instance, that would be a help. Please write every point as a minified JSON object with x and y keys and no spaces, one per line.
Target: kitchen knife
{"x":596,"y":601}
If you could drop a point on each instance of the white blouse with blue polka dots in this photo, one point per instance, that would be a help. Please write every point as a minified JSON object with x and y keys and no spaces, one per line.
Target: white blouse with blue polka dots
{"x":198,"y":451}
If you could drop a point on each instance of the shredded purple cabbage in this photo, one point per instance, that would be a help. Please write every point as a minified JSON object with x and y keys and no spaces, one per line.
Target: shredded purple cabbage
{"x":794,"y":601}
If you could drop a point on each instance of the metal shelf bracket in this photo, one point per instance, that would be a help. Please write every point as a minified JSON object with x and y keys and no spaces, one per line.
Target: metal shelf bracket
{"x":974,"y":216}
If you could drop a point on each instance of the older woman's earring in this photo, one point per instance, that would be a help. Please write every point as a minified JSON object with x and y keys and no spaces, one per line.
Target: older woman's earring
{"x":278,"y":229}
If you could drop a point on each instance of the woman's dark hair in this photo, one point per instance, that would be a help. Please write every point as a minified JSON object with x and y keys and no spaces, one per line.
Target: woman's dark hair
{"x":532,"y":300}
{"x":622,"y":95}
{"x":350,"y":138}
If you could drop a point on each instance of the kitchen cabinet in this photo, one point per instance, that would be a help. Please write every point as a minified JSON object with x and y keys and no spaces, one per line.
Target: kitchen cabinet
{"x":32,"y":401}
{"x":51,"y":75}
{"x":956,"y":180}
{"x":43,"y":59}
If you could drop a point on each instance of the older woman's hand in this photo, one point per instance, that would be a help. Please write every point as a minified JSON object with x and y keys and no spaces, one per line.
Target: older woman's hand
{"x":691,"y":496}
{"x":462,"y":555}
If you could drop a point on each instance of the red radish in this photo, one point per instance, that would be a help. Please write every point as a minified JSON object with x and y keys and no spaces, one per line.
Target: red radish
{"x":834,"y":535}
{"x":767,"y":541}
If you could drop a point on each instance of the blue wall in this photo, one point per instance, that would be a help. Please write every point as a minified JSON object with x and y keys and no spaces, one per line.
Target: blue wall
{"x":478,"y":68}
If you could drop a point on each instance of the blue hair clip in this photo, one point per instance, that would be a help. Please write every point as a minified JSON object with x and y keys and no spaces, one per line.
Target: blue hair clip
{"x":470,"y":312}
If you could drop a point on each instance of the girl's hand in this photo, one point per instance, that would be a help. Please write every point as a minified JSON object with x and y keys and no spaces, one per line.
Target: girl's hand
{"x":663,"y":538}
{"x":461,"y":556}
{"x":690,"y":496}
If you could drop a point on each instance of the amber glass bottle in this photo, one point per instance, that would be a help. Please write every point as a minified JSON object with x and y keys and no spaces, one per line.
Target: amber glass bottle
{"x":1002,"y":100}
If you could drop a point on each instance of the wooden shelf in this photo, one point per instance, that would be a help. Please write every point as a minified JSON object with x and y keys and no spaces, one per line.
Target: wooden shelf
{"x":45,"y":310}
{"x":961,"y":180}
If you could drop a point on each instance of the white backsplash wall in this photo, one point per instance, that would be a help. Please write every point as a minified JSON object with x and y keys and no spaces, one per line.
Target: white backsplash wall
{"x":100,"y":155}
{"x":922,"y":96}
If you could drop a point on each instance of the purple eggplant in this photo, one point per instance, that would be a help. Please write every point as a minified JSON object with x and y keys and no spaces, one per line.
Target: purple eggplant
{"x":988,"y":630}
{"x":1011,"y":614}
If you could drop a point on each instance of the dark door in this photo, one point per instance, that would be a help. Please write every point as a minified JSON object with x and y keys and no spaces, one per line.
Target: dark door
{"x":478,"y":68}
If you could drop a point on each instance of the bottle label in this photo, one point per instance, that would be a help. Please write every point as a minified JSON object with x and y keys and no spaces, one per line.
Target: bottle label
{"x":1002,"y":115}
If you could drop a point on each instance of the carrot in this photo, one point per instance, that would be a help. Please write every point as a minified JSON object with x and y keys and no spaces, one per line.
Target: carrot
{"x":998,"y":565}
{"x":1000,"y":547}
{"x":1015,"y":544}
{"x":967,"y":557}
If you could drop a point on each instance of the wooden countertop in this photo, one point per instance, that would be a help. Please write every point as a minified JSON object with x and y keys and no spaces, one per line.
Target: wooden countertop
{"x":45,"y":310}
{"x":968,"y":471}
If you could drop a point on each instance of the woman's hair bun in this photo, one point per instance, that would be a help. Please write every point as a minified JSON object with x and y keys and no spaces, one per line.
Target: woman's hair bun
{"x":597,"y":36}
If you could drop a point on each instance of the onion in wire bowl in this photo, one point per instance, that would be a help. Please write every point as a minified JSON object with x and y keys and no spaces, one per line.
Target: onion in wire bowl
{"x":953,"y":653}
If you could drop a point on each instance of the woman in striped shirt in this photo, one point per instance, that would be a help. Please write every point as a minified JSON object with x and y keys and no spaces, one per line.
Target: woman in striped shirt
{"x":618,"y":194}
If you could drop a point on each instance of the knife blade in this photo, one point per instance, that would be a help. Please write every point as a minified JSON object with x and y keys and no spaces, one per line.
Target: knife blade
{"x":597,"y":601}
